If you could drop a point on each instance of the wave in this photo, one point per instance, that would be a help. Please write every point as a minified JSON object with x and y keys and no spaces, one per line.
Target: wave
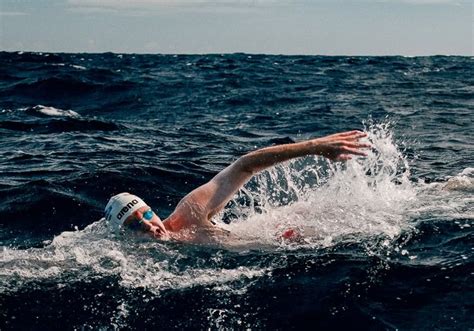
{"x":31,"y":57}
{"x":50,"y":111}
{"x":47,"y":119}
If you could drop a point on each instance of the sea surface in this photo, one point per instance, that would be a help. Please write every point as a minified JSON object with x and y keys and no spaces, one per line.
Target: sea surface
{"x":387,"y":239}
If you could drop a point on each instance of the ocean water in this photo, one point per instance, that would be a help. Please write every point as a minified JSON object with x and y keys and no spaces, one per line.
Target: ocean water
{"x":387,"y":239}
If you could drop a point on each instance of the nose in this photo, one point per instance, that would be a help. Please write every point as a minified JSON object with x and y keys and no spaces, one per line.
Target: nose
{"x":158,"y":232}
{"x":157,"y":228}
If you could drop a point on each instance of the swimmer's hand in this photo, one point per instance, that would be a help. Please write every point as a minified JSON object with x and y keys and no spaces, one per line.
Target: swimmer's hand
{"x":340,"y":146}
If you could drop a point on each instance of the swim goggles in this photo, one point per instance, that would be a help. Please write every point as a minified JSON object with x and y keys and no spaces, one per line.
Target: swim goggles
{"x":147,"y":216}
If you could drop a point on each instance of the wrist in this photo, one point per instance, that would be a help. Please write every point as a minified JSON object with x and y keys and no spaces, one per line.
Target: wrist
{"x":313,"y":147}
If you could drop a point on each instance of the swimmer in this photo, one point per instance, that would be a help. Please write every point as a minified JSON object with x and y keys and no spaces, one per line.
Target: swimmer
{"x":192,"y":218}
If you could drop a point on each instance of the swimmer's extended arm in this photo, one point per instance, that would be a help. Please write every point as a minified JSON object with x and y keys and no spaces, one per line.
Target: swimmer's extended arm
{"x":210,"y":198}
{"x":336,"y":147}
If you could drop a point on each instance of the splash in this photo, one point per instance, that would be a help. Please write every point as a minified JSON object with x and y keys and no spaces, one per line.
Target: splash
{"x":94,"y":253}
{"x":328,"y":202}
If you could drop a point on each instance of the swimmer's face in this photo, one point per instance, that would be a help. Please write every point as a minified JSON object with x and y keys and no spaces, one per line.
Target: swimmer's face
{"x":153,"y":226}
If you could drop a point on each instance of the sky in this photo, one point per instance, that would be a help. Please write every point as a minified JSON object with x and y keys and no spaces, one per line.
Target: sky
{"x":313,"y":27}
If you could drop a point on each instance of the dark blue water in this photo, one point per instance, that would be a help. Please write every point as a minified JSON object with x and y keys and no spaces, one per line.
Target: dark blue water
{"x":389,"y":238}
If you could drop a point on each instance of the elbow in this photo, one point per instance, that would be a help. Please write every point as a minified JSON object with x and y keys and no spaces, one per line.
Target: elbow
{"x":246,"y":164}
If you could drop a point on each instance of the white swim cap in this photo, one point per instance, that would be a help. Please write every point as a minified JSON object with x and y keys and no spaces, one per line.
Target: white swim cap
{"x":121,"y":206}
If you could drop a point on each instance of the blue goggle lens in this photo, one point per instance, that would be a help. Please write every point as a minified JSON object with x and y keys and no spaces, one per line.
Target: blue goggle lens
{"x":148,"y":215}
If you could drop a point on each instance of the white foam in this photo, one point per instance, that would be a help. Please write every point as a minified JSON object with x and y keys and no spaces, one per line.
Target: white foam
{"x":94,"y":252}
{"x":78,"y":67}
{"x":464,"y":181}
{"x":51,"y":111}
{"x":452,"y":199}
{"x":75,"y":66}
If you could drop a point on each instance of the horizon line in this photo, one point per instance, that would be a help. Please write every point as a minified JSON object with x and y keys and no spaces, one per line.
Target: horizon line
{"x":233,"y":53}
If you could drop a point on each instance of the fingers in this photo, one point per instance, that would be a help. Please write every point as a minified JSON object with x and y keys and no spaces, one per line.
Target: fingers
{"x":356,"y":145}
{"x":342,"y":146}
{"x":350,"y":133}
{"x":356,"y":136}
{"x":347,"y":136}
{"x":354,"y":151}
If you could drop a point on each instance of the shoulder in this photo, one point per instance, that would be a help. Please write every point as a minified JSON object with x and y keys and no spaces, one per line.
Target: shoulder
{"x":188,"y":213}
